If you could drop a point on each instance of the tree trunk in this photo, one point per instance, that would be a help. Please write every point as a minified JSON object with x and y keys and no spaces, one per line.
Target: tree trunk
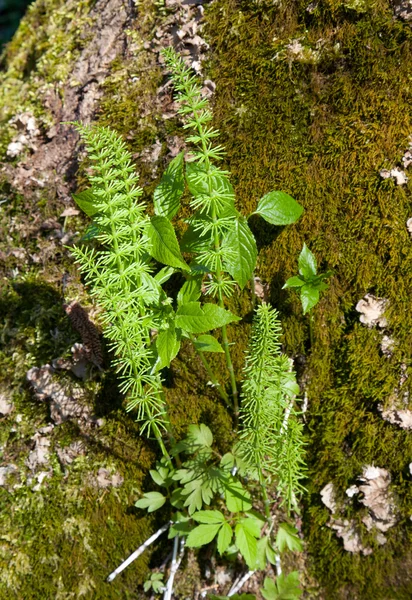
{"x":312,"y":99}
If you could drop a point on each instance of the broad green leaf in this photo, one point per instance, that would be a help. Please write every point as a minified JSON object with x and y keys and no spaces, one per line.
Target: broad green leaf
{"x":253,"y":525}
{"x":287,"y":538}
{"x":177,"y":499}
{"x":224,"y":538}
{"x":200,"y":435}
{"x":241,"y":243}
{"x":157,"y":477}
{"x":294,"y":282}
{"x":284,"y":588}
{"x":87,"y":202}
{"x":151,"y":500}
{"x":190,"y":290}
{"x":309,"y":297}
{"x":163,"y":243}
{"x":237,"y":498}
{"x":202,"y":535}
{"x":209,"y":517}
{"x":207,"y":343}
{"x":279,"y":208}
{"x":247,"y":544}
{"x":197,"y":319}
{"x":307,"y":263}
{"x":193,"y":241}
{"x":200,"y":185}
{"x":164,"y":275}
{"x":167,"y":346}
{"x":166,"y":197}
{"x":151,"y":287}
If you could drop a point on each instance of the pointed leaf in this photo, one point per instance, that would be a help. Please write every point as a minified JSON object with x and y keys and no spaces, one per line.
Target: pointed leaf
{"x":285,"y":588}
{"x":207,"y":343}
{"x":247,"y":545}
{"x":243,"y":251}
{"x":164,"y":247}
{"x":196,"y":319}
{"x":193,"y":241}
{"x":87,"y":202}
{"x":309,"y":297}
{"x":202,"y":535}
{"x":167,"y":346}
{"x":166,"y":197}
{"x":224,"y":538}
{"x":307,"y":263}
{"x":237,"y":498}
{"x":279,"y":208}
{"x":294,"y":282}
{"x":164,"y":275}
{"x":190,"y":290}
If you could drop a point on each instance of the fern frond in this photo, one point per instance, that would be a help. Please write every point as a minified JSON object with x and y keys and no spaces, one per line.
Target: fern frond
{"x":271,"y":438}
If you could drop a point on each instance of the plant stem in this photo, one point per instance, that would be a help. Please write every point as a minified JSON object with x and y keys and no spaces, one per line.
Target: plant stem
{"x":311,"y":320}
{"x":212,"y":376}
{"x":229,"y":363}
{"x":253,"y":290}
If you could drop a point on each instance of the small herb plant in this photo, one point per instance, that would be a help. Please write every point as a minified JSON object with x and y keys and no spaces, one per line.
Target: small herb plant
{"x":211,"y":497}
{"x":309,"y":283}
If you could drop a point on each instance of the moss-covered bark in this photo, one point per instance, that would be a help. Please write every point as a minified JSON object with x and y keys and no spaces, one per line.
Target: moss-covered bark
{"x":313,"y":99}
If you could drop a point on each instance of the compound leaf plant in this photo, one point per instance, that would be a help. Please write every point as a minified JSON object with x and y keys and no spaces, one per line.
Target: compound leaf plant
{"x":224,"y":499}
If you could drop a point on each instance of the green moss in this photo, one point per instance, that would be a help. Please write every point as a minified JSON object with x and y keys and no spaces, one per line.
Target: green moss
{"x":321,"y":130}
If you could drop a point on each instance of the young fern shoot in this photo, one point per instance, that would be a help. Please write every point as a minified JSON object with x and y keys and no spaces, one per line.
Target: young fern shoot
{"x":271,"y":436}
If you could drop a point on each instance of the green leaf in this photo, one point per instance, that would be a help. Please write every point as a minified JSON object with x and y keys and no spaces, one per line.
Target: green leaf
{"x":247,"y":544}
{"x":196,"y":319}
{"x":279,"y":208}
{"x":196,"y":177}
{"x":164,"y":247}
{"x":209,"y":517}
{"x":243,"y":251}
{"x":157,"y":477}
{"x":87,"y":202}
{"x":190,"y":290}
{"x":166,"y":197}
{"x":207,"y":343}
{"x":287,"y":538}
{"x":181,"y":526}
{"x":91,"y":232}
{"x":151,"y":500}
{"x":200,"y":435}
{"x":193,"y":240}
{"x":309,"y":297}
{"x":167,"y":346}
{"x":237,"y":498}
{"x":307,"y":263}
{"x":285,"y":588}
{"x":252,"y":525}
{"x":224,"y":538}
{"x":294,"y":282}
{"x":202,"y":535}
{"x":164,"y":275}
{"x":261,"y":553}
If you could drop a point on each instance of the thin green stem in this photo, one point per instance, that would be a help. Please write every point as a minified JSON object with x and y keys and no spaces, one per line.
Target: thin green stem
{"x":212,"y":376}
{"x":253,"y":290}
{"x":311,"y":336}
